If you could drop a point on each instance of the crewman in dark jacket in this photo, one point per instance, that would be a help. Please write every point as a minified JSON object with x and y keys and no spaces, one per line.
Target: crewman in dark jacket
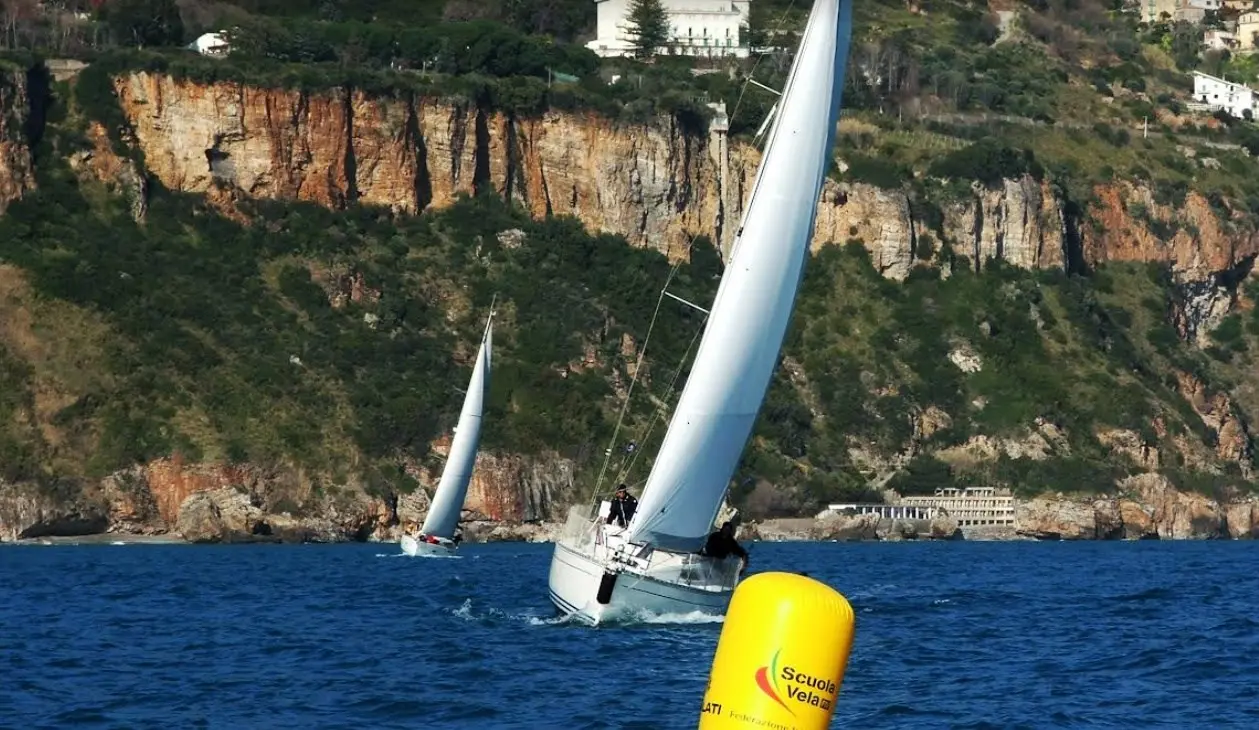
{"x":722,"y":544}
{"x":623,"y":506}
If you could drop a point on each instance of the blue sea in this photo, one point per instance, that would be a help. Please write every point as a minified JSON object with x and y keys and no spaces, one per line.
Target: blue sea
{"x":960,"y":635}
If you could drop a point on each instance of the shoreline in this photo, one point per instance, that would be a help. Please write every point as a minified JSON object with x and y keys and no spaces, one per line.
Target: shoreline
{"x":119,"y":539}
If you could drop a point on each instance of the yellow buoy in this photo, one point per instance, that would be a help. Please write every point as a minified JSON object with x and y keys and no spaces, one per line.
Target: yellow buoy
{"x":781,"y":656}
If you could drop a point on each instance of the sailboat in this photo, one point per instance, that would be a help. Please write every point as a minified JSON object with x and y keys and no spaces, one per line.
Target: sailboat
{"x":437,"y":536}
{"x":601,"y":571}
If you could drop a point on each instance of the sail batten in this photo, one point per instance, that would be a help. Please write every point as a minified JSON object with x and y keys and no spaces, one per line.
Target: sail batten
{"x":752,"y":309}
{"x":452,"y":488}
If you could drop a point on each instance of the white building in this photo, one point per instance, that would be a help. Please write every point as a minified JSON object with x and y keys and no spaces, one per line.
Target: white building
{"x":211,"y":44}
{"x":1213,"y":93}
{"x":696,"y":28}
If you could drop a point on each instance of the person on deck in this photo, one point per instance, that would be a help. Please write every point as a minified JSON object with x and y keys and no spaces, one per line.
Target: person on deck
{"x":623,"y":506}
{"x":721,"y":544}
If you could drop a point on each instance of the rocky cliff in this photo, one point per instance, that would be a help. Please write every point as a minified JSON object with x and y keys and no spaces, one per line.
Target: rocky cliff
{"x":508,"y":498}
{"x":655,"y":185}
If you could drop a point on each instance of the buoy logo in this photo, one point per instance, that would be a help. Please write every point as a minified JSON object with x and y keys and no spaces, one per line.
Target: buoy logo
{"x":767,"y":681}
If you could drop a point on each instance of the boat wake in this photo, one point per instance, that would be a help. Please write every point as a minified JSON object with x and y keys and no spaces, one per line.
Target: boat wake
{"x":640,"y":617}
{"x":432,"y":556}
{"x":418,"y":555}
{"x":466,"y":612}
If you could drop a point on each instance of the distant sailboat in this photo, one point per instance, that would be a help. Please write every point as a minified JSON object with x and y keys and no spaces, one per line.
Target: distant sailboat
{"x":437,"y":536}
{"x":653,"y":564}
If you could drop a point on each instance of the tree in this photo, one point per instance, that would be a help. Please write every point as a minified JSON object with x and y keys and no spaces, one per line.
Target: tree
{"x":648,"y":26}
{"x":144,"y":22}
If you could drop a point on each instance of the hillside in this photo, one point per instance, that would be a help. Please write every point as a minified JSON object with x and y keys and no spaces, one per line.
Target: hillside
{"x":264,"y":275}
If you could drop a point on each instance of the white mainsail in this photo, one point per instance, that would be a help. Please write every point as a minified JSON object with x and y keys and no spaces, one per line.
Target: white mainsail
{"x":752,"y":309}
{"x":443,"y":515}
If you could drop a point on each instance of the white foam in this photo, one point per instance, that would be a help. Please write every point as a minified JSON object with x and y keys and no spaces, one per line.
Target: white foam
{"x":466,"y":613}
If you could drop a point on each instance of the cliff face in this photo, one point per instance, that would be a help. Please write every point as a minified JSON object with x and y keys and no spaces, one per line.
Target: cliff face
{"x":653,"y":185}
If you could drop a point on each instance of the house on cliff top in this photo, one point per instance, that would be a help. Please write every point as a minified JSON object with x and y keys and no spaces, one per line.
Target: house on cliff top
{"x":211,"y":44}
{"x":705,"y":28}
{"x":1212,"y":93}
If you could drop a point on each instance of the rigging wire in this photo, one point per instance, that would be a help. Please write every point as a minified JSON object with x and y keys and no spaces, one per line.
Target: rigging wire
{"x":638,"y":368}
{"x":782,"y":19}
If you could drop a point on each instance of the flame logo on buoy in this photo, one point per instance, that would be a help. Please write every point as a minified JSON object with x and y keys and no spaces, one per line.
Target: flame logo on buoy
{"x":767,"y":681}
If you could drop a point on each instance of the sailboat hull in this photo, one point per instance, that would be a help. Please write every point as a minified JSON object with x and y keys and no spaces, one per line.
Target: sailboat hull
{"x":415,"y":548}
{"x":587,"y":583}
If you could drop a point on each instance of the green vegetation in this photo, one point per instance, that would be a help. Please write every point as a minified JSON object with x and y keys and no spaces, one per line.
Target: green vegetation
{"x":220,"y":340}
{"x":1079,"y":354}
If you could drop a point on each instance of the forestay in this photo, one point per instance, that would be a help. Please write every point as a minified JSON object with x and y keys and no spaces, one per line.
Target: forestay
{"x":752,"y":309}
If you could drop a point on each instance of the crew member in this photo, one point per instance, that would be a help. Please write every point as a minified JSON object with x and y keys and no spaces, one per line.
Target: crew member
{"x":623,"y":506}
{"x":721,"y":544}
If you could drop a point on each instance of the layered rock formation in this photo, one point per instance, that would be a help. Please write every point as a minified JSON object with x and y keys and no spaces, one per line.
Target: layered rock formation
{"x":654,"y":185}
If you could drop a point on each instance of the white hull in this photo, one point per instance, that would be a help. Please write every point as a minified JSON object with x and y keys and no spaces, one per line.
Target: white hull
{"x":662,"y":583}
{"x":415,"y":548}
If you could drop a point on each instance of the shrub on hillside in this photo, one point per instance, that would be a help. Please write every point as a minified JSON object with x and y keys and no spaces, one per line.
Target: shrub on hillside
{"x":987,"y":161}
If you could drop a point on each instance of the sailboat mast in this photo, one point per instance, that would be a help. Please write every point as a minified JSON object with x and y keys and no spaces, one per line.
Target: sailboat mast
{"x":752,"y":310}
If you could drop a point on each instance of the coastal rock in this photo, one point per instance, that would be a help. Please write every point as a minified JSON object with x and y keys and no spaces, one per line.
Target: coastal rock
{"x":133,"y":509}
{"x":1147,"y":506}
{"x":221,"y":515}
{"x":1056,"y":517}
{"x":27,"y":511}
{"x":1242,"y":519}
{"x":1177,"y":515}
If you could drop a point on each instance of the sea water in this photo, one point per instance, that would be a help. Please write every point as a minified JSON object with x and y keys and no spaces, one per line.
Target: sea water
{"x":962,"y":635}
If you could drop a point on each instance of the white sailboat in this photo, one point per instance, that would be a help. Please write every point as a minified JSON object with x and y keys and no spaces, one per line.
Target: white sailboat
{"x":437,"y":535}
{"x":602,"y":571}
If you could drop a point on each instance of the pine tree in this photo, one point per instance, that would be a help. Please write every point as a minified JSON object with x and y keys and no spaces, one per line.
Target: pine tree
{"x":648,"y":26}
